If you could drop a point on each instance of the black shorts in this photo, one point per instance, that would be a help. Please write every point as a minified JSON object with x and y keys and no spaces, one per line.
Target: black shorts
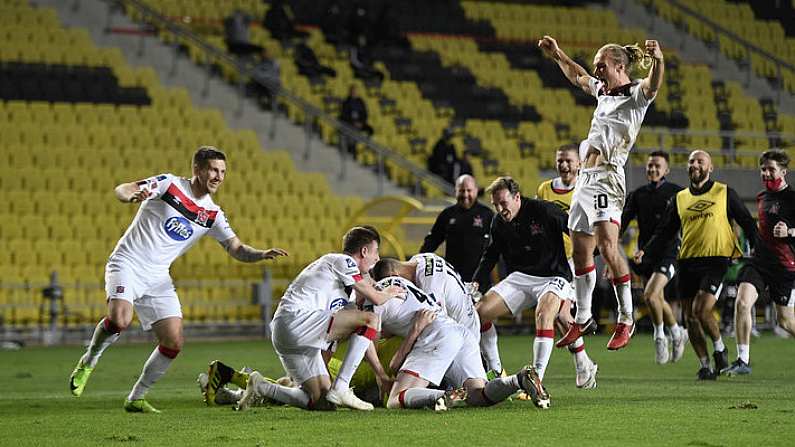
{"x":777,"y":287}
{"x":666,"y":266}
{"x":701,"y":274}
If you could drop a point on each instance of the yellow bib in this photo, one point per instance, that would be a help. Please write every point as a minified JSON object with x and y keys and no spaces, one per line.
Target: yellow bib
{"x":706,"y":230}
{"x":561,"y":199}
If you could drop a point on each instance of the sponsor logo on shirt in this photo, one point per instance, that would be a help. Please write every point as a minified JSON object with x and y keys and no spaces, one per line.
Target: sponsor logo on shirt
{"x":700,"y":206}
{"x":338,"y":303}
{"x":119,"y":289}
{"x":178,"y":228}
{"x":350,"y":263}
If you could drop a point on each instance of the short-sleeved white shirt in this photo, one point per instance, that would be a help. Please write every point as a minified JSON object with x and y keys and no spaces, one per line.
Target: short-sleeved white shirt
{"x":437,"y":277}
{"x":168,"y":223}
{"x":397,"y":315}
{"x":322,"y":285}
{"x":616,"y":120}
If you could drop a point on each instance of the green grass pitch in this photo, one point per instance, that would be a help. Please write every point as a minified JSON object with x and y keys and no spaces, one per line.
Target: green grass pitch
{"x":637,"y":403}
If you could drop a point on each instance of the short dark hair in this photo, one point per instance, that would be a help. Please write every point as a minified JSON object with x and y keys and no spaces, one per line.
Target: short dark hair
{"x":358,"y":237}
{"x":385,"y":267}
{"x":571,"y":147}
{"x":662,"y":154}
{"x":776,"y":155}
{"x":204,"y":154}
{"x":504,"y":182}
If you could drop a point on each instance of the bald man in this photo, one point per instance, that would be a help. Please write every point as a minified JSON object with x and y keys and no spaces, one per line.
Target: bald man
{"x":465,"y":229}
{"x":703,"y":212}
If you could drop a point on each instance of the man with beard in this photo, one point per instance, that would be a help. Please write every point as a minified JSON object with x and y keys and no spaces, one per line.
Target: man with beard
{"x":465,"y":229}
{"x":772,"y":266}
{"x":648,"y":204}
{"x":703,"y":212}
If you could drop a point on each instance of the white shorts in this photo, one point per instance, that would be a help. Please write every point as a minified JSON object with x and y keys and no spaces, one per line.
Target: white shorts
{"x":466,"y":365}
{"x":153,"y":296}
{"x":598,"y":197}
{"x":298,"y":337}
{"x":434,"y":352}
{"x":521,"y":291}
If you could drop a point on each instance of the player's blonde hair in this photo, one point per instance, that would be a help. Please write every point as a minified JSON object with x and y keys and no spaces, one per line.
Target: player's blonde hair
{"x":627,"y":55}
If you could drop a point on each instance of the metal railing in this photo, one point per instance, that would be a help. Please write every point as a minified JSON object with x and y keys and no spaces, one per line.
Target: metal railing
{"x":748,"y":46}
{"x":311,"y":113}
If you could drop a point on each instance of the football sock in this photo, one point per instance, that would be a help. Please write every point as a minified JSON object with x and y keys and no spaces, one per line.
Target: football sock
{"x":578,"y":351}
{"x":718,"y":344}
{"x":489,"y":348}
{"x":497,"y":390}
{"x":676,"y":331}
{"x":290,"y":396}
{"x":622,"y":287}
{"x":542,"y":348}
{"x":584,"y":283}
{"x":357,"y":346}
{"x":154,"y":368}
{"x":744,"y":353}
{"x":105,"y":334}
{"x":659,"y":331}
{"x":419,"y":397}
{"x":704,"y":362}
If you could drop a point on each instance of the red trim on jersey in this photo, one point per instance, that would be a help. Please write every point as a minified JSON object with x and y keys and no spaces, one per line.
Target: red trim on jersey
{"x":486,"y":326}
{"x":585,"y":270}
{"x":545,"y":333}
{"x":615,"y":222}
{"x":328,"y":330}
{"x":189,"y":204}
{"x":621,"y":280}
{"x":357,"y":277}
{"x":577,"y":349}
{"x":411,"y":373}
{"x":168,"y":352}
{"x":560,"y":191}
{"x":401,"y":398}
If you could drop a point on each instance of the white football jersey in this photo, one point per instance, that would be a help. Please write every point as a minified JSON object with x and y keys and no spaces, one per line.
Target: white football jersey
{"x":616,"y":120}
{"x":168,"y":223}
{"x":435,"y":276}
{"x":397,"y":315}
{"x":322,"y":284}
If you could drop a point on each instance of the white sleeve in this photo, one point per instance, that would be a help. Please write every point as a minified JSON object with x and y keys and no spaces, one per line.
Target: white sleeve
{"x":640,"y":97}
{"x":346,"y":269}
{"x":594,"y":84}
{"x":156,"y":185}
{"x":221,"y":230}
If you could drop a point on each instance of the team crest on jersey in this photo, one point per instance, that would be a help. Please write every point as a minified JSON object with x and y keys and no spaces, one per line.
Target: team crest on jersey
{"x":700,"y":206}
{"x":178,"y":228}
{"x":774,"y":208}
{"x":477,"y":221}
{"x":201,"y":216}
{"x":338,"y":303}
{"x":535,"y":229}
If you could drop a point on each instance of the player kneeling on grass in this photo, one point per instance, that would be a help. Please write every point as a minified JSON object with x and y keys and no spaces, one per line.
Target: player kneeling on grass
{"x":174,"y":214}
{"x":436,"y":348}
{"x":308,"y":319}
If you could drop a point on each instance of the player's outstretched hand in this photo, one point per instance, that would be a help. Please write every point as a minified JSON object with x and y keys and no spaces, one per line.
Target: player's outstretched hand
{"x":384,"y":383}
{"x":780,"y":230}
{"x":140,"y":195}
{"x":638,"y":256}
{"x":549,"y":46}
{"x":423,"y":318}
{"x":653,"y":49}
{"x":273,"y":253}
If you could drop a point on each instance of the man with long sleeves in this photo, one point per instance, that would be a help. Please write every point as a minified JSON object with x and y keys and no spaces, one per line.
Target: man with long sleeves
{"x":703,"y":212}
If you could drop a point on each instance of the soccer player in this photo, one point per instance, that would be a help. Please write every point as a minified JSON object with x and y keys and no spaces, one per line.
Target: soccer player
{"x":174,"y":214}
{"x":772,"y":266}
{"x":464,"y":227}
{"x":443,"y":349}
{"x":312,"y":314}
{"x":703,"y":212}
{"x":600,"y":190}
{"x":528,"y":234}
{"x":436,"y":277}
{"x":647,"y":204}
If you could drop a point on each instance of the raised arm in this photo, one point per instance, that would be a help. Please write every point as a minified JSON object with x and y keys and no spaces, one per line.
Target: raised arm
{"x":653,"y":82}
{"x":572,"y":70}
{"x":245,"y":253}
{"x":131,"y":192}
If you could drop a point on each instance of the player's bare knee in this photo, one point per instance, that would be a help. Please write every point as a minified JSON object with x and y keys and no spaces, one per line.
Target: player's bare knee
{"x":743,"y":305}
